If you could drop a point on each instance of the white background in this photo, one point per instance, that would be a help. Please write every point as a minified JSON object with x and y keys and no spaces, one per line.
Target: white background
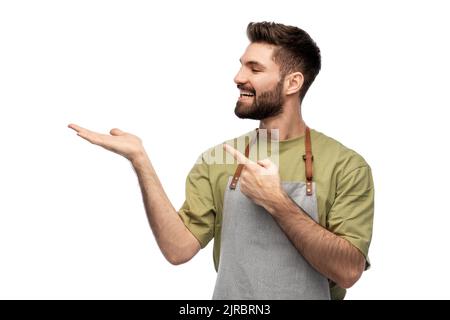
{"x":72,"y":222}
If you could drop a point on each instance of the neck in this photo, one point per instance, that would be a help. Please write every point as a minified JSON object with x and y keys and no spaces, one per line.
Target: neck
{"x":290,"y":123}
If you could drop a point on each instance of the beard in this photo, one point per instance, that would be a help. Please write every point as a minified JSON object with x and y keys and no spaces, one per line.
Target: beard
{"x":265,"y":105}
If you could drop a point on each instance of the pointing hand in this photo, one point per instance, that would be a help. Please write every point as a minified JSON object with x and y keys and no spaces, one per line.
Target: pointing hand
{"x":259,"y":181}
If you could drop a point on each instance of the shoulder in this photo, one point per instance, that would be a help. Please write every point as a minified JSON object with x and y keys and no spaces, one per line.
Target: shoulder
{"x":333,"y":151}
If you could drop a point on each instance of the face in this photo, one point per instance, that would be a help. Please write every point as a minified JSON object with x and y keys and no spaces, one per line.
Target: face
{"x":259,"y":84}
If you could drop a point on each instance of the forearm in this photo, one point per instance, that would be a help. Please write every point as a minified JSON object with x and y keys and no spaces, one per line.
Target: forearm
{"x":331,"y":255}
{"x":176,"y":242}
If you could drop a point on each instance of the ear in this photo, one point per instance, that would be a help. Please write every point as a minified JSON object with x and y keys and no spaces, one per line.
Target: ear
{"x":294,"y":82}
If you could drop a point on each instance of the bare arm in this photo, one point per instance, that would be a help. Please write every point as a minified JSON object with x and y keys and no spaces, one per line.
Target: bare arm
{"x":331,"y":255}
{"x":176,"y":242}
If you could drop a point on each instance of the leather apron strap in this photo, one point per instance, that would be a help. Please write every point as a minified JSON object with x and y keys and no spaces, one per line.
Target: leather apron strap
{"x":240,"y":166}
{"x":307,"y":157}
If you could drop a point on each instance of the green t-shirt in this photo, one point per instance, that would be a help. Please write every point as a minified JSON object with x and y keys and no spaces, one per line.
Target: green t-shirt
{"x":344,"y":189}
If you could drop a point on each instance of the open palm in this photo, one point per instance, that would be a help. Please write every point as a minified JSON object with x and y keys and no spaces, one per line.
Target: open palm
{"x":120,"y":142}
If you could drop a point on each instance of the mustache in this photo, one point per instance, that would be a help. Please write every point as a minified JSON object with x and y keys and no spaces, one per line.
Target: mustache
{"x":242,"y":87}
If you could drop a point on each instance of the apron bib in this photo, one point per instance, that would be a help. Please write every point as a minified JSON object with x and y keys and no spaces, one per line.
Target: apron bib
{"x":257,"y":260}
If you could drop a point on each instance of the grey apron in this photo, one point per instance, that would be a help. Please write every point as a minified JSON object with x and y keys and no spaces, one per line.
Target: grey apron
{"x":257,"y":260}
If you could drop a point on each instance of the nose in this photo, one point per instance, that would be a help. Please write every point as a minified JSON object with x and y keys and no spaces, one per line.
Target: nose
{"x":240,"y":77}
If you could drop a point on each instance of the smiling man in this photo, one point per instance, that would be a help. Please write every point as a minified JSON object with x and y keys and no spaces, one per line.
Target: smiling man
{"x":296,"y":228}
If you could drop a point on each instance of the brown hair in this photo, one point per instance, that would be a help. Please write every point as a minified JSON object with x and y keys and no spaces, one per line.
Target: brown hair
{"x":296,"y":50}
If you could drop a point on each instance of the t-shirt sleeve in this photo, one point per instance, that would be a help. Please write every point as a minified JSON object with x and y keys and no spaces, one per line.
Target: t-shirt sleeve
{"x":198,"y":211}
{"x":351,"y":215}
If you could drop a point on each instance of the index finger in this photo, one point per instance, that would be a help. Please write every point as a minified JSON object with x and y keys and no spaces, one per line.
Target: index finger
{"x":84,"y":131}
{"x":77,"y":128}
{"x":237,"y":155}
{"x":91,"y":136}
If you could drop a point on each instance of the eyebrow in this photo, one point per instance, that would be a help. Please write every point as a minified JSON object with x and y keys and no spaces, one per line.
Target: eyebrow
{"x":254,"y":63}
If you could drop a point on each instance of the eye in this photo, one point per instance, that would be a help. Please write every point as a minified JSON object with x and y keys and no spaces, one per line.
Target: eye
{"x":256,"y":70}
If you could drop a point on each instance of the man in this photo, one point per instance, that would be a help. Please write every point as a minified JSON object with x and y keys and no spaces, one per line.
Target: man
{"x":299,"y":230}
